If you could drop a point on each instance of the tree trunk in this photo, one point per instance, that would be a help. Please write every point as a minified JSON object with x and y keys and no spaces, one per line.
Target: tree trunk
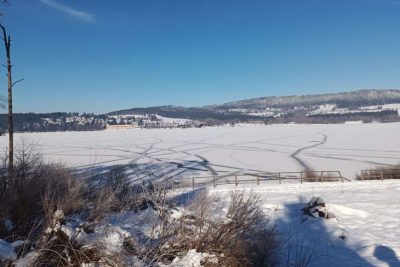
{"x":10,"y":120}
{"x":7,"y":44}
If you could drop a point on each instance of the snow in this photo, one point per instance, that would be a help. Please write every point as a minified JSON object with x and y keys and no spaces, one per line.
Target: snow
{"x":161,"y":118}
{"x":108,"y":237}
{"x":179,"y":153}
{"x":353,"y":122}
{"x":173,"y":120}
{"x":7,"y":251}
{"x":144,"y":222}
{"x":363,"y":232}
{"x":333,"y":109}
{"x":365,"y":229}
{"x":27,"y":260}
{"x":191,"y":259}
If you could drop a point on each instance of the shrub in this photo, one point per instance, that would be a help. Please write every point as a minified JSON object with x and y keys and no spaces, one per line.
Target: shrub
{"x":39,"y":189}
{"x":390,"y":172}
{"x":48,"y":207}
{"x":58,"y":247}
{"x":244,"y":238}
{"x":315,"y":176}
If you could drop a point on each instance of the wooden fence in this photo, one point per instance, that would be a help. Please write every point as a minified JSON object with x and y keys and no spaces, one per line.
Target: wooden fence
{"x":257,"y":178}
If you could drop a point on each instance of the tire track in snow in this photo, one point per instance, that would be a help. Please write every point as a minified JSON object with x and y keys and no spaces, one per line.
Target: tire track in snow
{"x":295,"y":154}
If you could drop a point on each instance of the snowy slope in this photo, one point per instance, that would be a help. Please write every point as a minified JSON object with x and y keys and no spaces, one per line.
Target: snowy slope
{"x":365,"y":231}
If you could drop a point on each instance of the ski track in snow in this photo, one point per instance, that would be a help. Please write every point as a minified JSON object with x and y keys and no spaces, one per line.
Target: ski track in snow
{"x":367,"y":213}
{"x":221,"y":150}
{"x":300,"y":150}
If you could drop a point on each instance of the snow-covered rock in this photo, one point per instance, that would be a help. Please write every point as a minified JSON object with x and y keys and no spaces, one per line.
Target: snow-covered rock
{"x":316,"y":208}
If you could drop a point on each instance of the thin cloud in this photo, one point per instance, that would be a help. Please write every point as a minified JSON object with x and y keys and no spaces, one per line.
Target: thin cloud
{"x":69,"y":10}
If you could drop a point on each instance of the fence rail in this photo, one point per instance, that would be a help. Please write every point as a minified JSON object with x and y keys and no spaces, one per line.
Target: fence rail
{"x":257,"y":178}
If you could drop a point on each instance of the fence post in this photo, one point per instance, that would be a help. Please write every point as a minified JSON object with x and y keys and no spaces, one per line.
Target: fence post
{"x":236,"y":183}
{"x":301,"y":177}
{"x":382,"y":175}
{"x":193,"y":182}
{"x":279,"y":177}
{"x":258,"y":179}
{"x":214,"y":182}
{"x":341,"y":177}
{"x":322,"y":176}
{"x":362,"y":175}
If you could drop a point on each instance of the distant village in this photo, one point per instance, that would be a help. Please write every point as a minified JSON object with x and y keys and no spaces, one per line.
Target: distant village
{"x":148,"y":121}
{"x":324,"y":113}
{"x":50,"y":122}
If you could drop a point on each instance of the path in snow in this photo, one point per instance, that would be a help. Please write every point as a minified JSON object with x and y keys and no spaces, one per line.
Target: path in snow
{"x":300,"y":150}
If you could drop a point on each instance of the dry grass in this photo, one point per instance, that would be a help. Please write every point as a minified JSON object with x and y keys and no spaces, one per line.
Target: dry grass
{"x":315,"y":176}
{"x":244,"y":238}
{"x":56,"y":248}
{"x":39,"y":190}
{"x":378,"y":173}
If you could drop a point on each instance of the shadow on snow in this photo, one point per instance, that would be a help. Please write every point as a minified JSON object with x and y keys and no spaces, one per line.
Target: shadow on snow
{"x":309,"y":241}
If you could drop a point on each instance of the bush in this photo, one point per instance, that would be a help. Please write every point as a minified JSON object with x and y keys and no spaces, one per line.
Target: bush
{"x":57,"y":247}
{"x":380,"y":172}
{"x":39,"y":189}
{"x":315,"y":176}
{"x":48,"y":207}
{"x":244,"y":238}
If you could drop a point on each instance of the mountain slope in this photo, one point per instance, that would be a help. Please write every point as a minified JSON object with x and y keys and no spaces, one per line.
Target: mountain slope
{"x":344,"y":99}
{"x":286,"y":108}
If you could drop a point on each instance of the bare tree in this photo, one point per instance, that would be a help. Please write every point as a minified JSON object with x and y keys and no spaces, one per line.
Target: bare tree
{"x":10,"y":85}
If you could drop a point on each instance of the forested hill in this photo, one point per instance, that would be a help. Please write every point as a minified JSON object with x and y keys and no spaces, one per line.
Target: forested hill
{"x":366,"y":105}
{"x":363,"y":105}
{"x":57,"y":121}
{"x":353,"y":99}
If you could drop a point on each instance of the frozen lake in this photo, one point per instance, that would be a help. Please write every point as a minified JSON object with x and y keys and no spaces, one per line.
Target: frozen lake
{"x":165,"y":153}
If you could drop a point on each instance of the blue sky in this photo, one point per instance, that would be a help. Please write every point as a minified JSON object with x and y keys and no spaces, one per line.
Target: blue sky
{"x":102,"y":55}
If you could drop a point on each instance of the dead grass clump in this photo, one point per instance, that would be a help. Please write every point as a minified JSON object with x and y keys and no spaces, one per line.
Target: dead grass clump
{"x":58,"y":247}
{"x":379,"y":173}
{"x":113,"y":192}
{"x":49,"y":208}
{"x":316,"y":176}
{"x":39,"y":189}
{"x":244,"y":238}
{"x":312,"y":176}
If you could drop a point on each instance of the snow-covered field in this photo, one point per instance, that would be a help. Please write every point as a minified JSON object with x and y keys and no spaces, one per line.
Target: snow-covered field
{"x":209,"y":151}
{"x":366,"y":227}
{"x":365,"y":231}
{"x":217,"y":150}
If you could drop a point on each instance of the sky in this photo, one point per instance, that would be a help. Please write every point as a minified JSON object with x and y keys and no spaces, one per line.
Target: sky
{"x":102,"y":55}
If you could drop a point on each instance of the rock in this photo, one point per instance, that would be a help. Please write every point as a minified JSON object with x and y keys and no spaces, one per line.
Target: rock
{"x":315,"y":208}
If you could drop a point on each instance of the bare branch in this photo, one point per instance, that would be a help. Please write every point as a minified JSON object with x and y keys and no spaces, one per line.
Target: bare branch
{"x":14,"y":83}
{"x":4,"y":32}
